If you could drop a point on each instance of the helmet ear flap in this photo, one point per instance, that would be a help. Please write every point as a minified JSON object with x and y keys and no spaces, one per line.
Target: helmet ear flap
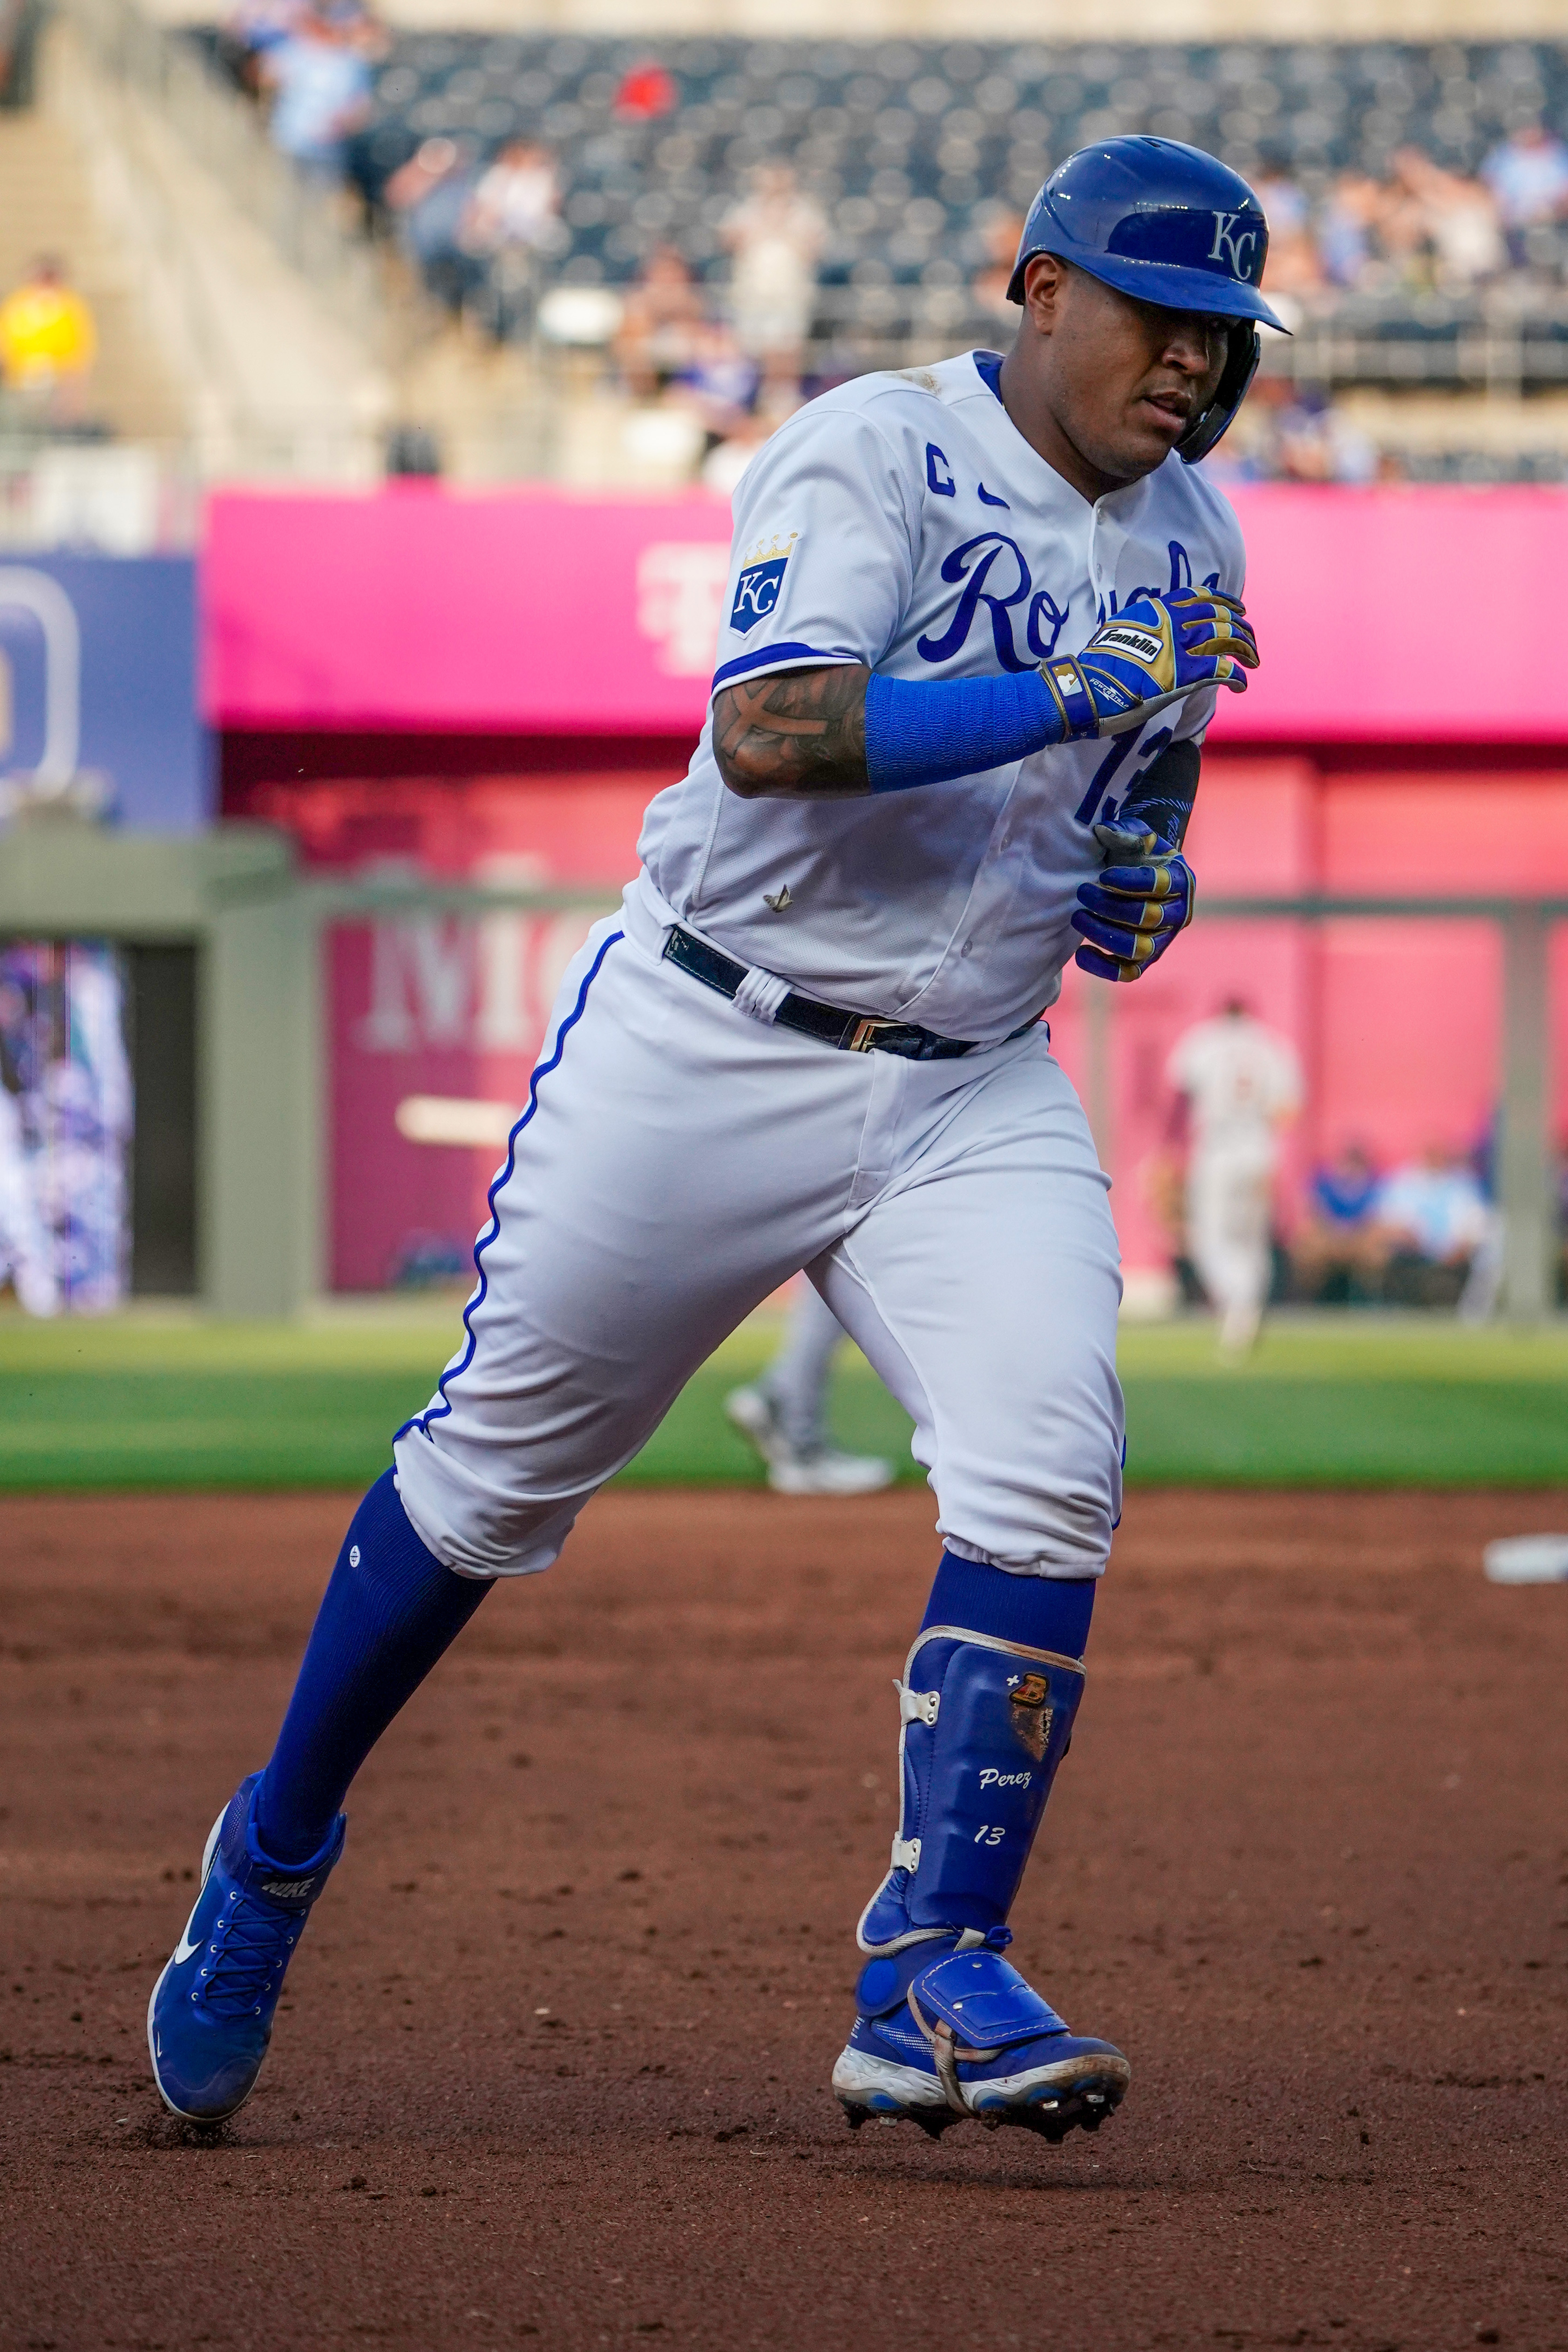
{"x":1246,"y":348}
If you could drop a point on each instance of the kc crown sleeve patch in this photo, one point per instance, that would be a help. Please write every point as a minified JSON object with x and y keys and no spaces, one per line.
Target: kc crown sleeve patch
{"x":761,"y":581}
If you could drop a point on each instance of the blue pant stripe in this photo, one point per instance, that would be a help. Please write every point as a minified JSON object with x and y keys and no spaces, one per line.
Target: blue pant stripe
{"x":420,"y":1421}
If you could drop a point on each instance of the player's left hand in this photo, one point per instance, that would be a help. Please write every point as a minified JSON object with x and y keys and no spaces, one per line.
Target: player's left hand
{"x":1155,"y":651}
{"x":1134,"y":906}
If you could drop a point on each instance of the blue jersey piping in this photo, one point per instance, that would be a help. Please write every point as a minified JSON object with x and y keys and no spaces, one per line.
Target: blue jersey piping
{"x":420,"y":1421}
{"x":761,"y":656}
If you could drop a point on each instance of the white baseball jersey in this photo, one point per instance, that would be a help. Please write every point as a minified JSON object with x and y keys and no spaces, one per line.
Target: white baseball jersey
{"x":680,"y":1155}
{"x":904,"y":522}
{"x":1239,"y":1076}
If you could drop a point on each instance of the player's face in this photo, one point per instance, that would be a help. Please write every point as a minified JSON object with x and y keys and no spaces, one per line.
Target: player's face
{"x":1123,"y":380}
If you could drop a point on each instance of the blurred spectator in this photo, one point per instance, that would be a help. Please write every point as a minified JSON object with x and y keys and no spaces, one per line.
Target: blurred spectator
{"x":48,"y":344}
{"x":510,"y":222}
{"x":516,"y":202}
{"x":319,"y":78}
{"x":1346,"y":228}
{"x":1291,"y":433}
{"x":250,"y":30}
{"x":1003,"y":234}
{"x":1445,"y":226}
{"x":1338,"y":1244}
{"x":719,"y":382}
{"x":1241,"y":1082}
{"x":1293,"y":265}
{"x":659,"y":324}
{"x":1468,"y":244}
{"x":1528,"y":174}
{"x":1284,"y":203}
{"x":776,"y":236}
{"x":1433,"y":1218}
{"x":1403,"y":228}
{"x":20,"y":23}
{"x":429,"y":198}
{"x":1318,"y":442}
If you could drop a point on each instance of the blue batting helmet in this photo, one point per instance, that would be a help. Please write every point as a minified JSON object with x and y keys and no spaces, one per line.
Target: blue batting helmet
{"x":1167,"y":224}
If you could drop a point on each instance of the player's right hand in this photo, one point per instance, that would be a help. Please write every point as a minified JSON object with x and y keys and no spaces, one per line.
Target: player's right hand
{"x":1155,"y":651}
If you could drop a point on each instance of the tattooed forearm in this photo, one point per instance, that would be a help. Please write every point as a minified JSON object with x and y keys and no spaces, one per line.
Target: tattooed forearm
{"x":797,"y":735}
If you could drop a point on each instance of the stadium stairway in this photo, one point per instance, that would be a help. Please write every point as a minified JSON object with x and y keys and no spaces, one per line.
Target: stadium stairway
{"x":262,"y":378}
{"x":45,"y":207}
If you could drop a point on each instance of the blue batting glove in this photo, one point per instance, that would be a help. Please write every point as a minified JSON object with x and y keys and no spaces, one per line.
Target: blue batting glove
{"x":1155,"y":651}
{"x":1132,"y":910}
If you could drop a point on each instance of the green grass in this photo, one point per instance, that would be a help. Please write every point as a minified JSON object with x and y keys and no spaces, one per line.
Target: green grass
{"x":165,"y":1400}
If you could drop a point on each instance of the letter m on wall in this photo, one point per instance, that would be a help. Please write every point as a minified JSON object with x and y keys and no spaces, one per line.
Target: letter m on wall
{"x":422,"y":985}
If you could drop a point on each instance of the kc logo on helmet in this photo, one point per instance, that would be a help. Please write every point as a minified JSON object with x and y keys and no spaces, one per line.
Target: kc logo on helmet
{"x":1235,"y":250}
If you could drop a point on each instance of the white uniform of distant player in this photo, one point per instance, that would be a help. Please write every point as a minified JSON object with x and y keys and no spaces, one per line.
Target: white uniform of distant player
{"x":1242,"y":1082}
{"x":682,"y":1155}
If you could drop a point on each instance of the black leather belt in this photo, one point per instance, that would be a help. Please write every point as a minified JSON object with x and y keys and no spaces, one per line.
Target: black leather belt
{"x":853,"y":1033}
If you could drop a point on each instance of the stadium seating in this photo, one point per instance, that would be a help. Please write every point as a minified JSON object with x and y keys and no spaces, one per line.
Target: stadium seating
{"x":911,"y":146}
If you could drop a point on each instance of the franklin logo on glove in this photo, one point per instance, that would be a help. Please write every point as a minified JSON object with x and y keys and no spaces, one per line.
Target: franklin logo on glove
{"x":1158,"y":650}
{"x":1142,"y":647}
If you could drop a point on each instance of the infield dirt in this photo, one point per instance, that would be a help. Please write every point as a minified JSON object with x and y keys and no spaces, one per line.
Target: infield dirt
{"x":553,"y":2062}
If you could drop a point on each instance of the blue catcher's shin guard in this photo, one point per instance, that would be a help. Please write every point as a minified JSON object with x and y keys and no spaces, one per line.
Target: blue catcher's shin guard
{"x":946,"y":2026}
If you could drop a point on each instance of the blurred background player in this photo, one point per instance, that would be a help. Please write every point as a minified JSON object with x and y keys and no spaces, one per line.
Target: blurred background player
{"x":1241,"y":1082}
{"x":785,"y":1413}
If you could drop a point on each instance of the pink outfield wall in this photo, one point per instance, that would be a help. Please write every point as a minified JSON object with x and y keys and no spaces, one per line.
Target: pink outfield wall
{"x":1426,"y":615}
{"x":1397,"y":1023}
{"x":1420,"y":620}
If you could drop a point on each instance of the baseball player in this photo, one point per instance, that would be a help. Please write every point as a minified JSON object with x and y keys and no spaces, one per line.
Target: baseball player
{"x":785,"y":1413}
{"x":975,"y":621}
{"x":1242,"y":1083}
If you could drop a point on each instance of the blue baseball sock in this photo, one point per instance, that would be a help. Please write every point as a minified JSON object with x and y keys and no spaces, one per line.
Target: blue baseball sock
{"x":1044,"y":1613}
{"x":388,"y":1612}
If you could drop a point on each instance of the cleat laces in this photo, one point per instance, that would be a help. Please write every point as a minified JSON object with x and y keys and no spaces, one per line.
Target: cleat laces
{"x":246,"y":1954}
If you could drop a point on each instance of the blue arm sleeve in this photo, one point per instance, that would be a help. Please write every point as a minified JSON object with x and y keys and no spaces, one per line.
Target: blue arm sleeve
{"x":928,"y":731}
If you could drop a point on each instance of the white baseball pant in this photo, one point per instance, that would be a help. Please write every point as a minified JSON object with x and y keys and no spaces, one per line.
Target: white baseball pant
{"x":677,"y":1160}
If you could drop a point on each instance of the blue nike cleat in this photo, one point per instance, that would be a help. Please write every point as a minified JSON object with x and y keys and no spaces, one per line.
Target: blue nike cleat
{"x":951,"y":2029}
{"x":210,"y":2017}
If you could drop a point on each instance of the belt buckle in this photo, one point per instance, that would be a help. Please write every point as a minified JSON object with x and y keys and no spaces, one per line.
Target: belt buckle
{"x":863,"y":1036}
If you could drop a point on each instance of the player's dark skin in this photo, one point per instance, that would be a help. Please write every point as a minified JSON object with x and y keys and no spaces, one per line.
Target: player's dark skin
{"x":1103,"y":387}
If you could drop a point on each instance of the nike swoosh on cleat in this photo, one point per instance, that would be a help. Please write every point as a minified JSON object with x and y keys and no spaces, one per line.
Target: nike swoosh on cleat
{"x":184,"y":1950}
